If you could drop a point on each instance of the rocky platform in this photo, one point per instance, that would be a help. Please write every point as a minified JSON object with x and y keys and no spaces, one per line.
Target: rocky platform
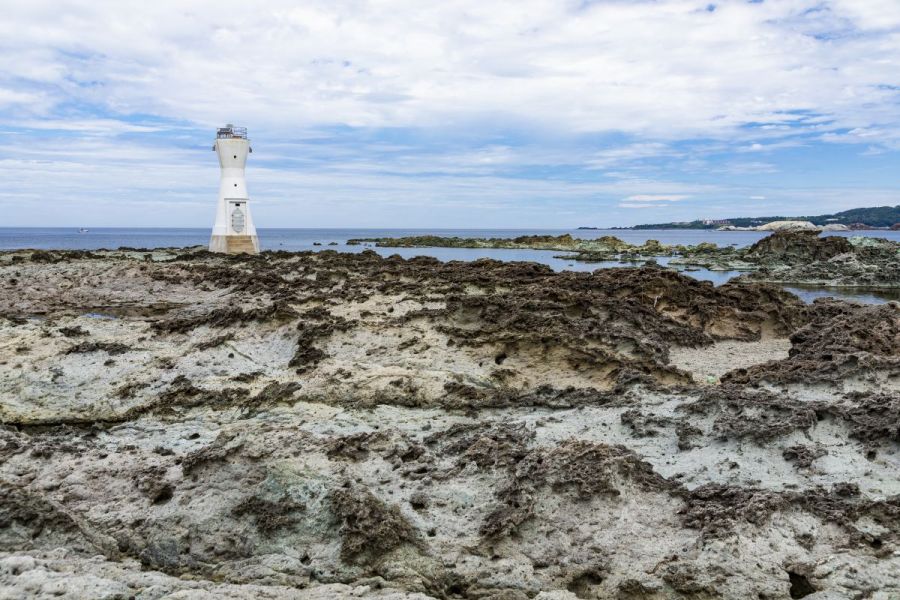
{"x":790,"y":257}
{"x":178,"y":424}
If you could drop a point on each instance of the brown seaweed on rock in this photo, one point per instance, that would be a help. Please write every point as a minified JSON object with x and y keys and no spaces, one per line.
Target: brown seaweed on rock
{"x":488,"y":445}
{"x":752,"y":414}
{"x":716,"y":509}
{"x":577,"y":469}
{"x":316,"y":324}
{"x":225,"y":317}
{"x":797,"y":247}
{"x":111,"y":348}
{"x":803,"y":456}
{"x":681,"y":310}
{"x":608,"y":324}
{"x":270,"y":516}
{"x":58,"y":256}
{"x":871,"y":417}
{"x":369,"y":527}
{"x":762,"y":416}
{"x":841,"y":340}
{"x":29,"y":520}
{"x":804,"y":257}
{"x":614,"y":321}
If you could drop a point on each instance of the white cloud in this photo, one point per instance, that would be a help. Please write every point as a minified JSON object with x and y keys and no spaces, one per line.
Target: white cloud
{"x":653,"y":98}
{"x":624,"y":154}
{"x":631,"y":205}
{"x":769,"y":147}
{"x":748,"y":168}
{"x":112,"y":182}
{"x":664,"y":69}
{"x":89,"y":126}
{"x":871,"y":14}
{"x":656,"y":198}
{"x":10,"y":97}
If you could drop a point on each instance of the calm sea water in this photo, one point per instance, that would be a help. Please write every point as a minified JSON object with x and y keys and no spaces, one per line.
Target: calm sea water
{"x":304,"y":239}
{"x":15,"y":238}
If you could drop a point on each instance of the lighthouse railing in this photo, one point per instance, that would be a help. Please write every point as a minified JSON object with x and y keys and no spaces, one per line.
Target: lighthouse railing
{"x":231,"y":132}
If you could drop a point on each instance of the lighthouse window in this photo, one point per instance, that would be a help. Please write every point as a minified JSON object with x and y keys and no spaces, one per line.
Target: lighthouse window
{"x":237,"y":220}
{"x":235,"y":185}
{"x":235,"y":155}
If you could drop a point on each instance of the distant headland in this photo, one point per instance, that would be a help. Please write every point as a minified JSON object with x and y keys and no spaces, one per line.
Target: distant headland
{"x":879,"y":217}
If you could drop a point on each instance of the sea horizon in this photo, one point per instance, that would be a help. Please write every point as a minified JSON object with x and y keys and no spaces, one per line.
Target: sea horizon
{"x":302,"y":238}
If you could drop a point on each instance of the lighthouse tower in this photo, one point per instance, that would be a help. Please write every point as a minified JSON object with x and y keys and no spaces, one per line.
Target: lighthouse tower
{"x":233,"y":232}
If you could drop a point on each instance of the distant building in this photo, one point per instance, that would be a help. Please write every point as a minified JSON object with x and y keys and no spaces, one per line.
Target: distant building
{"x":716,"y":222}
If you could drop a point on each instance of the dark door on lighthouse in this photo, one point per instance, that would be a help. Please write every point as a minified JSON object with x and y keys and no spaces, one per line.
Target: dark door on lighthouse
{"x":237,"y":217}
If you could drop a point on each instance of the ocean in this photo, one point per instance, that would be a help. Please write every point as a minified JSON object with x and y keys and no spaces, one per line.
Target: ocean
{"x":55,"y":238}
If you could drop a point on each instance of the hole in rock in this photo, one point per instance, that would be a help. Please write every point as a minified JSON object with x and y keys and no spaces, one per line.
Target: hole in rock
{"x":164,"y":495}
{"x":800,"y":585}
{"x":583,"y":585}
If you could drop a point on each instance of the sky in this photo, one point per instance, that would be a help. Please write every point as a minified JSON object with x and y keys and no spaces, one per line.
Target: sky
{"x":403,"y":113}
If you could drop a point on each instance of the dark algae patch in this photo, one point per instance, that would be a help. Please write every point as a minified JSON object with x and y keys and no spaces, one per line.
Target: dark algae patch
{"x":369,"y":528}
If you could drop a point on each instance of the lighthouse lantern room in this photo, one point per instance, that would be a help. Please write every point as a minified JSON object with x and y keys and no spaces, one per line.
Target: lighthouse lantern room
{"x":233,"y":232}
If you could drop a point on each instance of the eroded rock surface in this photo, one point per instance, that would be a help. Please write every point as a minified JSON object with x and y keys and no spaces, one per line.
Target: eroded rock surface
{"x":787,"y":256}
{"x":178,"y":424}
{"x":806,"y":258}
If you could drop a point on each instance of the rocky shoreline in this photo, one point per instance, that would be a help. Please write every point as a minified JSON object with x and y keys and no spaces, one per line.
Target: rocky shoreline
{"x":788,"y":257}
{"x":179,"y":424}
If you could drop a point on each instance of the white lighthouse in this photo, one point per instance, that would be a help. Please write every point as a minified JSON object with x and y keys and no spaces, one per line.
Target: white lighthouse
{"x":233,"y":232}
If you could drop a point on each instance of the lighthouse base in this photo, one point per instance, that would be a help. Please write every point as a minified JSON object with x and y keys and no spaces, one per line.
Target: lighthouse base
{"x":234,"y":244}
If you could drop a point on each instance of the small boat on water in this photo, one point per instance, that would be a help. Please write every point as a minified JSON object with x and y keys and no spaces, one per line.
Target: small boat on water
{"x":83,"y":230}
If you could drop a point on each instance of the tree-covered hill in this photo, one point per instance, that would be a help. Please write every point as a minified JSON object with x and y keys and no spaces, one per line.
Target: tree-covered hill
{"x":877,"y":216}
